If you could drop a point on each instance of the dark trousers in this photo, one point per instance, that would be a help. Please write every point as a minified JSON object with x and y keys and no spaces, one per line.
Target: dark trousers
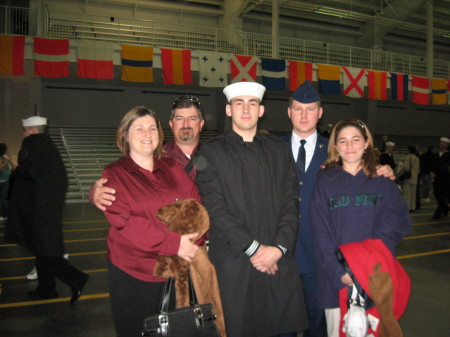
{"x":3,"y":197}
{"x":51,"y":267}
{"x":132,"y":300}
{"x":426,"y":185}
{"x":316,"y":315}
{"x":441,"y":188}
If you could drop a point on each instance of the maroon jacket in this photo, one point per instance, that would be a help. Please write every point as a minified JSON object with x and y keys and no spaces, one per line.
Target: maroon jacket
{"x":136,"y":236}
{"x":173,"y":151}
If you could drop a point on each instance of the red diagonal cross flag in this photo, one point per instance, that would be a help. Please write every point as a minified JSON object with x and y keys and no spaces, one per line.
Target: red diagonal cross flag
{"x":354,"y":81}
{"x":243,"y":68}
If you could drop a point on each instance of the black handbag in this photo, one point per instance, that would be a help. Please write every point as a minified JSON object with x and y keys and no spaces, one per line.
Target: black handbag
{"x":404,"y":173}
{"x":197,"y":320}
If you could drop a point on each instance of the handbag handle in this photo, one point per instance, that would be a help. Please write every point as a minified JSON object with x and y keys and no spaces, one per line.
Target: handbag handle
{"x":165,"y":299}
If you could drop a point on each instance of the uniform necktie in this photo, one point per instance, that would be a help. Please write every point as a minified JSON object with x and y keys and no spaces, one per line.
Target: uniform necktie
{"x":301,"y":158}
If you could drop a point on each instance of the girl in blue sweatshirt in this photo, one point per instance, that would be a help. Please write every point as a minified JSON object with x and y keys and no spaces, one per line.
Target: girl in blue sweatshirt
{"x":351,"y":203}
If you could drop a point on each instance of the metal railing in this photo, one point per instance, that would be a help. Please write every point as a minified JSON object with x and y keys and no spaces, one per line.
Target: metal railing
{"x":14,"y":20}
{"x":169,"y":35}
{"x":161,"y":34}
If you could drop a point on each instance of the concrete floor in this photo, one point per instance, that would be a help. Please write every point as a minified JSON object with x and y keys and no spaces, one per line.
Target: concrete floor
{"x":424,"y":254}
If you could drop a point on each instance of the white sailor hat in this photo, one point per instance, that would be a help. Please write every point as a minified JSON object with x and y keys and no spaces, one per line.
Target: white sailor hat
{"x":244,"y":89}
{"x":445,"y":139}
{"x":34,"y":121}
{"x":390,"y":144}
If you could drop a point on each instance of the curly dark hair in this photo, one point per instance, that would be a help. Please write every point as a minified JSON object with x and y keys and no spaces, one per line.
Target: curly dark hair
{"x":3,"y":149}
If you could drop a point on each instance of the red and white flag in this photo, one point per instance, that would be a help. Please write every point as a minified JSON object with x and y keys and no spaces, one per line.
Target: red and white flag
{"x":51,"y":57}
{"x":421,"y":90}
{"x":243,"y":68}
{"x":95,"y":59}
{"x":354,"y":81}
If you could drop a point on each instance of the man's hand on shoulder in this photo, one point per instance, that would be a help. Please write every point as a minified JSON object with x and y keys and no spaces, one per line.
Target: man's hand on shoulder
{"x":101,"y":196}
{"x":385,"y":171}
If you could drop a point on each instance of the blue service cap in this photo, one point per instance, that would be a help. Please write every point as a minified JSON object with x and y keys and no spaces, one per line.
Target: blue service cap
{"x":306,"y":93}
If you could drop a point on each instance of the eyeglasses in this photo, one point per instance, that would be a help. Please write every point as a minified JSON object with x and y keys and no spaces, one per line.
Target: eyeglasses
{"x":182,"y":99}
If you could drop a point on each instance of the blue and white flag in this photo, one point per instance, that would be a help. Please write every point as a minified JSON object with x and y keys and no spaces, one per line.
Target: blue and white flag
{"x":274,"y":73}
{"x":213,"y":69}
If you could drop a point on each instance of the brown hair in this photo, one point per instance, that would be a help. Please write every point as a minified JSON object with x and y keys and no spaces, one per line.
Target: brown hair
{"x":125,"y":124}
{"x":368,"y":160}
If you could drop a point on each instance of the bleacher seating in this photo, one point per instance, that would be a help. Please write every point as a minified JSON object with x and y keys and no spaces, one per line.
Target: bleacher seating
{"x":86,"y":151}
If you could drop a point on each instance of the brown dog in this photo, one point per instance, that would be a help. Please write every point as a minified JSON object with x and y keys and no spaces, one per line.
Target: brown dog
{"x":186,"y":217}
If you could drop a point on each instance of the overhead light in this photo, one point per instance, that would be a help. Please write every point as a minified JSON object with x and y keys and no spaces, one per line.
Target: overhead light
{"x":330,"y":12}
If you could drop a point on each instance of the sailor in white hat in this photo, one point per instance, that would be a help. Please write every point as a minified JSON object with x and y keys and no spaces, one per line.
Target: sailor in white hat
{"x":249,"y":187}
{"x":34,"y":125}
{"x":445,"y":140}
{"x":36,"y":211}
{"x":244,"y":107}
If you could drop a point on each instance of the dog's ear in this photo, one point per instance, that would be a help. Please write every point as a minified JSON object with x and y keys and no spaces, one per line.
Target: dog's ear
{"x":166,"y":213}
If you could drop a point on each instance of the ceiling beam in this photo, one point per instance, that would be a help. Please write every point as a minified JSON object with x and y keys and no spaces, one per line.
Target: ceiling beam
{"x":290,"y":22}
{"x":217,"y":3}
{"x":395,"y":12}
{"x":164,"y":5}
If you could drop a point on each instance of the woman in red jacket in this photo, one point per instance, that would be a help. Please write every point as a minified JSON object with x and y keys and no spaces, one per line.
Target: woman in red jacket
{"x":144,"y":182}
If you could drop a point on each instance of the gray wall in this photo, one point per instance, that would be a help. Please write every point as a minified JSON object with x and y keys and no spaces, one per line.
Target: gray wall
{"x":74,"y":101}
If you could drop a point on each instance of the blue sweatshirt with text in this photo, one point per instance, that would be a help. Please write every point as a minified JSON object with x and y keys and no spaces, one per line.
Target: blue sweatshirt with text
{"x":349,"y":208}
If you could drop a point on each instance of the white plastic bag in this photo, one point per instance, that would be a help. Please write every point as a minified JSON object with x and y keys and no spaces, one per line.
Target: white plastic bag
{"x":356,"y":322}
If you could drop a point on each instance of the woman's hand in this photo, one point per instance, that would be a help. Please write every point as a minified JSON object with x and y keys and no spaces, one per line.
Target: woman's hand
{"x":347,"y":280}
{"x":188,"y":249}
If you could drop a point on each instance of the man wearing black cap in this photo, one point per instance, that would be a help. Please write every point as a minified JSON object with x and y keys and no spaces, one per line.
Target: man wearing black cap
{"x":247,"y":183}
{"x":309,"y":151}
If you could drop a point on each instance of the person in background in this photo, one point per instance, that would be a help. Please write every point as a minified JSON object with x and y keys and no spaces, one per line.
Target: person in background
{"x":248,"y":185}
{"x":411,"y":163}
{"x":144,"y":181}
{"x":384,"y":141}
{"x":37,"y":201}
{"x":441,"y":178}
{"x":387,"y":156}
{"x":186,"y":122}
{"x":33,"y":274}
{"x":426,"y":167}
{"x":351,"y":203}
{"x":5,"y":172}
{"x":327,"y":132}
